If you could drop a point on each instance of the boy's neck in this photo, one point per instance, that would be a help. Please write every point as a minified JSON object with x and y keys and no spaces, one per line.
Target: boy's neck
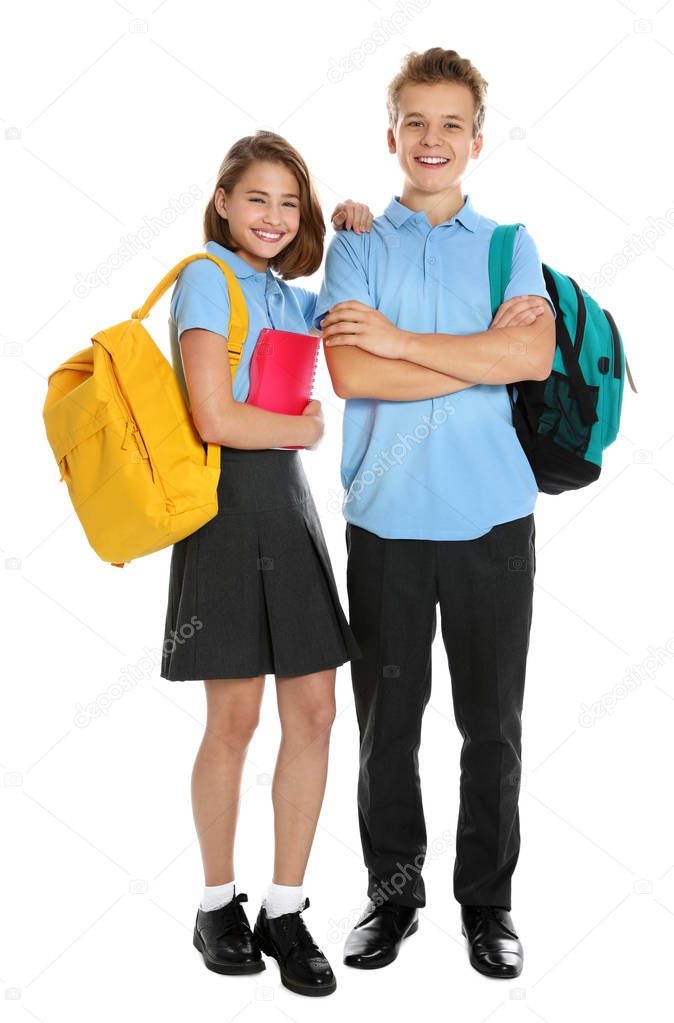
{"x":438,"y":207}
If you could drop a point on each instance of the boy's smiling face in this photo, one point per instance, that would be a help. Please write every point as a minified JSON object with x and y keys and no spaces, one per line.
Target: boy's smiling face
{"x":434,"y":135}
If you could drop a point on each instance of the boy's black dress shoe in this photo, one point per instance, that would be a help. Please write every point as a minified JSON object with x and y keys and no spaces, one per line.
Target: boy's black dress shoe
{"x":495,"y":949}
{"x":304,"y":968}
{"x":225,"y":940}
{"x":376,"y":939}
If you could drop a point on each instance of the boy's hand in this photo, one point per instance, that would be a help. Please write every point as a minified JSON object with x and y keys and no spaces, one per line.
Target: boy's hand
{"x":352,"y":216}
{"x":354,"y":323}
{"x":518,"y":311}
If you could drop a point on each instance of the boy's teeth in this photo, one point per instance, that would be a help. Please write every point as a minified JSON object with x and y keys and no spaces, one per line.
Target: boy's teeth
{"x":432,"y":159}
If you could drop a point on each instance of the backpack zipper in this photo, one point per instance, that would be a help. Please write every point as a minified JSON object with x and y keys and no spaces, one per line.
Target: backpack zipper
{"x":132,"y":429}
{"x":616,"y":344}
{"x":132,"y":425}
{"x":581,"y":318}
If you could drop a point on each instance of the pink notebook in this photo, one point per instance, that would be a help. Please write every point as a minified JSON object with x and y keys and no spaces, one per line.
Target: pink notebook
{"x":282,"y":372}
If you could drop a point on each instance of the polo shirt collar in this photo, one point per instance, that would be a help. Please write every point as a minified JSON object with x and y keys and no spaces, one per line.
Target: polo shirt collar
{"x":398,"y":214}
{"x":240,"y":267}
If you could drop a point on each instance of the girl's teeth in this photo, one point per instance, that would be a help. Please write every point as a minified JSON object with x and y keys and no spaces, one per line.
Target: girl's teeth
{"x":268,"y":235}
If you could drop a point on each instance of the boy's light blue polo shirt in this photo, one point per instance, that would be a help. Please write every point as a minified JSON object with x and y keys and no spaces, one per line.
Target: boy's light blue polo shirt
{"x":446,"y":468}
{"x":200,"y":299}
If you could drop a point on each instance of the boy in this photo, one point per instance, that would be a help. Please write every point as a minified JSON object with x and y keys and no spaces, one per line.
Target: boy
{"x":439,"y":501}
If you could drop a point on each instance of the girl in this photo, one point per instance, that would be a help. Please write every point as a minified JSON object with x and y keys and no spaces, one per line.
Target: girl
{"x":255,"y":584}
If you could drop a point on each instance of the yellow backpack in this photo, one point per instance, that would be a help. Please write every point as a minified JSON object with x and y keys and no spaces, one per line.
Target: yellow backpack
{"x":124,"y":439}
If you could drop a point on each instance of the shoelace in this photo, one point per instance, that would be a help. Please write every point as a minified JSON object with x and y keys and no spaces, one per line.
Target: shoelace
{"x":387,"y":905}
{"x":390,"y":906}
{"x":297,"y":933}
{"x":492,"y":913}
{"x":235,"y":918}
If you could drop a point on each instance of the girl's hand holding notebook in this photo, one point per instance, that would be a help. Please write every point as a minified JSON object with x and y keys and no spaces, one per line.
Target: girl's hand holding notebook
{"x":315,"y":409}
{"x":282,"y":372}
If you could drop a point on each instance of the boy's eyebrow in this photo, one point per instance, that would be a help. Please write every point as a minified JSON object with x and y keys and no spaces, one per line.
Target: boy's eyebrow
{"x":292,"y":195}
{"x":417,"y":113}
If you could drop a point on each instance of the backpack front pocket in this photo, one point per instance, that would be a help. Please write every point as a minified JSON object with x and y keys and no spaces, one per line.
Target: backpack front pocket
{"x":561,"y":419}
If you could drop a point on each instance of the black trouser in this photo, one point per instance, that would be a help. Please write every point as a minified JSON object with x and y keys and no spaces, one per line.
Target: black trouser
{"x":485,"y":590}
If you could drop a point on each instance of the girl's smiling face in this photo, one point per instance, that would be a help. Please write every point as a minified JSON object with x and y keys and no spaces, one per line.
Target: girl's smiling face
{"x":263,"y":211}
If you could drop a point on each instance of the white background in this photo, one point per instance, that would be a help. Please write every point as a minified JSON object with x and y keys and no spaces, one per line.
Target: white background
{"x":121,"y":109}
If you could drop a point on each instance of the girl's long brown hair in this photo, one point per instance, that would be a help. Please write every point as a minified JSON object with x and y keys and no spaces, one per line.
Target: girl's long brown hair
{"x":303,"y":255}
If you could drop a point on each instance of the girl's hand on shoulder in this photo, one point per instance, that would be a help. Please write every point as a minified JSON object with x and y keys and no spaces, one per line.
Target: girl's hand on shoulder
{"x":352,"y":216}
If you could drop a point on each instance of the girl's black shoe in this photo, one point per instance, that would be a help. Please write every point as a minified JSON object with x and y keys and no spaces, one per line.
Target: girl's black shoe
{"x":225,"y":940}
{"x":304,"y":968}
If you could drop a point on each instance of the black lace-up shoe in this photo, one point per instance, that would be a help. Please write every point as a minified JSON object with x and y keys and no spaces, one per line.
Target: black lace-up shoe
{"x":304,"y":968}
{"x":376,"y":939}
{"x":495,"y":949}
{"x":225,"y":940}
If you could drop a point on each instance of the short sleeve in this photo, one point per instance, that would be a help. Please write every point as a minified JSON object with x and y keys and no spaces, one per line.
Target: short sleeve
{"x":345,"y":277}
{"x":201,"y":299}
{"x":306,"y":300}
{"x":526,"y":276}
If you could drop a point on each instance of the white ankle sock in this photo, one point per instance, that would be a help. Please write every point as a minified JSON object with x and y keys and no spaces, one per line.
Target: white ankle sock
{"x":283,"y":898}
{"x":217,"y":895}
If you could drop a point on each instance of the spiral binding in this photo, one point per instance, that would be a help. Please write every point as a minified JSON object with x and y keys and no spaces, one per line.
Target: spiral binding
{"x":313,"y":377}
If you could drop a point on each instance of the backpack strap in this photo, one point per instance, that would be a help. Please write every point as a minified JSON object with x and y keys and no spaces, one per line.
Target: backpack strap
{"x":569,"y":353}
{"x":501,"y":247}
{"x":500,"y":266}
{"x":238,"y":319}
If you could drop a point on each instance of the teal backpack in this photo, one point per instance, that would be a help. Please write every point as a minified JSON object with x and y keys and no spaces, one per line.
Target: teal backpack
{"x":565,"y":422}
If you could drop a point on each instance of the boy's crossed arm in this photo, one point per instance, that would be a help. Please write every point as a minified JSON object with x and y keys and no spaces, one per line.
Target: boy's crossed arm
{"x":369,"y":357}
{"x":356,"y":373}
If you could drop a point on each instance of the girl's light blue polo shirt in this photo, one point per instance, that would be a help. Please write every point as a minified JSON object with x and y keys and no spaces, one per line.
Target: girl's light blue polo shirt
{"x":200,"y":299}
{"x":446,"y":468}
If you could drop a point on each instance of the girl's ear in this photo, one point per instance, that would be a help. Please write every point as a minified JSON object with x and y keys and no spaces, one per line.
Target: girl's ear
{"x":220,"y":202}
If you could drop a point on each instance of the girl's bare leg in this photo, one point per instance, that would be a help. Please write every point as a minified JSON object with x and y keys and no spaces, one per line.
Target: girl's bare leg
{"x":306,"y":706}
{"x":233,"y":707}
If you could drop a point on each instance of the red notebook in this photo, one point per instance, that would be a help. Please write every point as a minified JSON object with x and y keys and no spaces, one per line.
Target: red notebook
{"x":282,"y":372}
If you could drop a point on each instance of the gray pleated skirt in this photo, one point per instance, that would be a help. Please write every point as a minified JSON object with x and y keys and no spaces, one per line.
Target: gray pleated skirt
{"x":252,"y":592}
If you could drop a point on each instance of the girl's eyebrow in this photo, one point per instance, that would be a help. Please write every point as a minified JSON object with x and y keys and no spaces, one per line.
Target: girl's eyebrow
{"x":291,"y":195}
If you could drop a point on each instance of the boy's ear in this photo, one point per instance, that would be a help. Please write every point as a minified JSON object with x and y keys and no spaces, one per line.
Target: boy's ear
{"x":476,"y":148}
{"x":391,"y":139}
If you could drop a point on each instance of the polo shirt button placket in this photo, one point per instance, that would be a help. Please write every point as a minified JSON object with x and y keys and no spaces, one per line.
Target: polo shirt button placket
{"x":274,"y":301}
{"x":429,"y":261}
